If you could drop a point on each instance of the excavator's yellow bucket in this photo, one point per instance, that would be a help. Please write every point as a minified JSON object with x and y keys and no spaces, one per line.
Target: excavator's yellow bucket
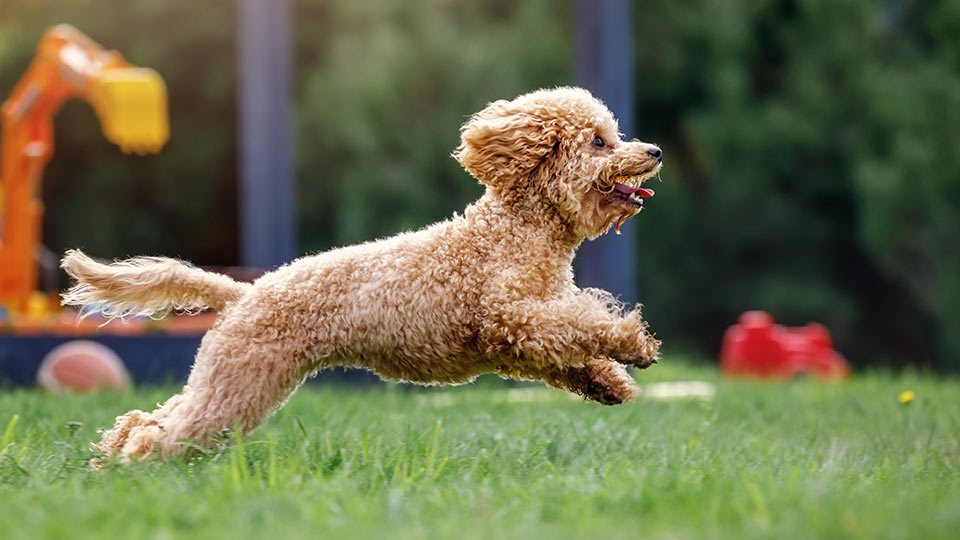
{"x":132,"y":106}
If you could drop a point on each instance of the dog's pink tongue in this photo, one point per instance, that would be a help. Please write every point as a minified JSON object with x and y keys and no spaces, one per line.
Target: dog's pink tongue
{"x":643,"y":192}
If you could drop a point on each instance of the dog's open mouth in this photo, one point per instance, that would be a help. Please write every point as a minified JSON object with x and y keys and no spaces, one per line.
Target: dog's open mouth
{"x":627,"y":188}
{"x":623,"y":193}
{"x":630,"y":195}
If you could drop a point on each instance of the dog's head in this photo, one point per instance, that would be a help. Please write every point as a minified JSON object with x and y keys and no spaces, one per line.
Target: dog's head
{"x":559,"y":149}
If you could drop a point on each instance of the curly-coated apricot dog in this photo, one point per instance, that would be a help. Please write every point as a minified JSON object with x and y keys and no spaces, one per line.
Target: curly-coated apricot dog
{"x":489,"y":291}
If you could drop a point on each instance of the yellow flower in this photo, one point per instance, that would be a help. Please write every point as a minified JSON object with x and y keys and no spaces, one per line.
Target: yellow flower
{"x":907,"y":396}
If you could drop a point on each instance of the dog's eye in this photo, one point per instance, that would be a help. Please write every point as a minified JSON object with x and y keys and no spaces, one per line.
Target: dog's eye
{"x":598,"y":142}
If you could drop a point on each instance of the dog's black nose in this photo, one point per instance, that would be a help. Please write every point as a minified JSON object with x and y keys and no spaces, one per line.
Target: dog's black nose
{"x":656,"y":153}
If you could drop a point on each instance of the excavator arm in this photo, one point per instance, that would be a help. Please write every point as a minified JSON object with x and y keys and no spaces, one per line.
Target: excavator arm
{"x":131,"y":103}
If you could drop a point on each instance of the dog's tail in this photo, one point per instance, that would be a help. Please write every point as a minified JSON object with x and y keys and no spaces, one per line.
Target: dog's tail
{"x":150,"y":286}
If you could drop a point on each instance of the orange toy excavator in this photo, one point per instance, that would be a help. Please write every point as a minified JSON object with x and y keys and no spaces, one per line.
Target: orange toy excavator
{"x":130,"y":102}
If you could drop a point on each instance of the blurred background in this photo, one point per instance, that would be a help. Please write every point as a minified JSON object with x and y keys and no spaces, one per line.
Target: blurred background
{"x":812,"y":147}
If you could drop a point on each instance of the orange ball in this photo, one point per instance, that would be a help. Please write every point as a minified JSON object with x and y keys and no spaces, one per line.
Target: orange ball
{"x":82,"y":366}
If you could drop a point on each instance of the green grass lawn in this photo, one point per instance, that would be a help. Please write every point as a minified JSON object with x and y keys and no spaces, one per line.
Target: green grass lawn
{"x":770,"y":460}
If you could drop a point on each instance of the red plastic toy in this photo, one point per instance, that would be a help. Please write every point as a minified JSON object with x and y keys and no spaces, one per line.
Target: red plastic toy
{"x":757,"y":347}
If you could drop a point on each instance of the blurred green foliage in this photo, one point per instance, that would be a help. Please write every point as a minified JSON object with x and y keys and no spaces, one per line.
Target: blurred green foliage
{"x":812,"y":164}
{"x":814,"y":169}
{"x":383,"y":89}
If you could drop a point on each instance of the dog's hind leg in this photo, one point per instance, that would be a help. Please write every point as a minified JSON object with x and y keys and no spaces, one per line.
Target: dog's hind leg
{"x":235,"y":384}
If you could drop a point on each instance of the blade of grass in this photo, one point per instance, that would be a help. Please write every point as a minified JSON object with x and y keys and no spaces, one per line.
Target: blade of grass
{"x":238,"y":460}
{"x":8,"y":434}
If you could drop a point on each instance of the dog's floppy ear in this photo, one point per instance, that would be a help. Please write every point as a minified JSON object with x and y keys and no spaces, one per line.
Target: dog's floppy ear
{"x":502,"y":144}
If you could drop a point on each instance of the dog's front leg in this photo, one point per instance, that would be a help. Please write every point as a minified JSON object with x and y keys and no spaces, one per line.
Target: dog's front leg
{"x":599,"y":379}
{"x":569,"y":332}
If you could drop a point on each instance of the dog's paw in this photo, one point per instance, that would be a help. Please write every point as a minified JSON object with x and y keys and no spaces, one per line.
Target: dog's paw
{"x":640,"y":352}
{"x":608,"y":383}
{"x":603,"y":394}
{"x":133,"y":436}
{"x":630,"y":342}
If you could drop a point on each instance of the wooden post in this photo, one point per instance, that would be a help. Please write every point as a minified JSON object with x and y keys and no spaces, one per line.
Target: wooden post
{"x":267,"y":210}
{"x":605,"y":67}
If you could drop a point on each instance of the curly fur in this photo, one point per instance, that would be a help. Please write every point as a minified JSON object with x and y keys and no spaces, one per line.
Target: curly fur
{"x":145,"y":286}
{"x":489,"y":291}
